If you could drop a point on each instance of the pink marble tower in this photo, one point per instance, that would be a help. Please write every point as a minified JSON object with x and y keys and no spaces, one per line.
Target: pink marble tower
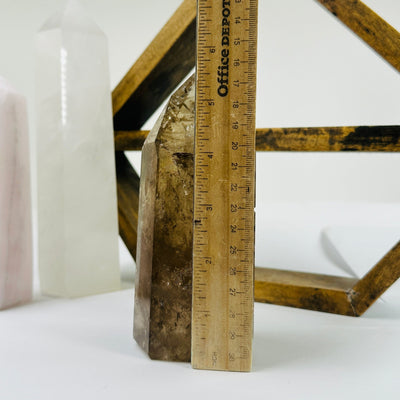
{"x":15,"y":200}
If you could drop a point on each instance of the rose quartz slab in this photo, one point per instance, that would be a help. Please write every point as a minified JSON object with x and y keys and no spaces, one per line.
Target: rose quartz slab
{"x":16,"y":259}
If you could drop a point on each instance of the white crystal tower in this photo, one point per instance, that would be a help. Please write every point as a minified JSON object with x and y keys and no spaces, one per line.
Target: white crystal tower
{"x":15,"y":200}
{"x":77,"y":201}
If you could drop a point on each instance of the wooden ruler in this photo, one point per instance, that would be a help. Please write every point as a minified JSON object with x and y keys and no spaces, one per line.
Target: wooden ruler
{"x":223,"y":254}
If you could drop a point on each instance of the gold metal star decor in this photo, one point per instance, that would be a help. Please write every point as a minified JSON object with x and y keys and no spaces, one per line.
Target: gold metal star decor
{"x":158,"y":71}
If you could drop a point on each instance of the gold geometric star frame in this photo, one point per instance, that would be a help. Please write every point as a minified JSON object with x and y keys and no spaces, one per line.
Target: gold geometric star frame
{"x":158,"y":71}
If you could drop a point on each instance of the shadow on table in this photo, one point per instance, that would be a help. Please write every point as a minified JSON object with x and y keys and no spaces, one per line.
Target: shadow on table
{"x":273,"y":351}
{"x":387,"y":308}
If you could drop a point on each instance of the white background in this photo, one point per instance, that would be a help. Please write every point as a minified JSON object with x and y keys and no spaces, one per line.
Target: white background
{"x":312,"y":72}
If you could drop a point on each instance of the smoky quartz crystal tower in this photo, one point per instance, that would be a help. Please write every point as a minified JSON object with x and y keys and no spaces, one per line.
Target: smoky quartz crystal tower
{"x":163,"y":295}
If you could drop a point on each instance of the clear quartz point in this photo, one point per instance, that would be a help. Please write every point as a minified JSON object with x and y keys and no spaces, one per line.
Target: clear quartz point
{"x":15,"y":200}
{"x":77,"y":201}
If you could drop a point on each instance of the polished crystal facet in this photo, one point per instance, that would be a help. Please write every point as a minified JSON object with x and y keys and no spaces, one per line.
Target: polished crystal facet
{"x":163,"y":292}
{"x":77,"y":203}
{"x":15,"y":200}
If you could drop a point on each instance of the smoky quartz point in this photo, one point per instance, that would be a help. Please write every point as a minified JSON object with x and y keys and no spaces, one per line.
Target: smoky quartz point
{"x":163,"y":294}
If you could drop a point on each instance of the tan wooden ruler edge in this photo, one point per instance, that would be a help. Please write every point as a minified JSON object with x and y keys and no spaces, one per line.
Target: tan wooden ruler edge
{"x":223,"y":245}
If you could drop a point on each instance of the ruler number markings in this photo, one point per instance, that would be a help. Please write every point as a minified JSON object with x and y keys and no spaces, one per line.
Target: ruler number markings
{"x":225,"y":133}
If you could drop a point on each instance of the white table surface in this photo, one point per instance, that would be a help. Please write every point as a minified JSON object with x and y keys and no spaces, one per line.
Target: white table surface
{"x":83,"y":348}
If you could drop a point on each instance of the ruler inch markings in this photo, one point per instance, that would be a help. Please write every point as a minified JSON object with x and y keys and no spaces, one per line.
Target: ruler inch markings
{"x":223,"y":229}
